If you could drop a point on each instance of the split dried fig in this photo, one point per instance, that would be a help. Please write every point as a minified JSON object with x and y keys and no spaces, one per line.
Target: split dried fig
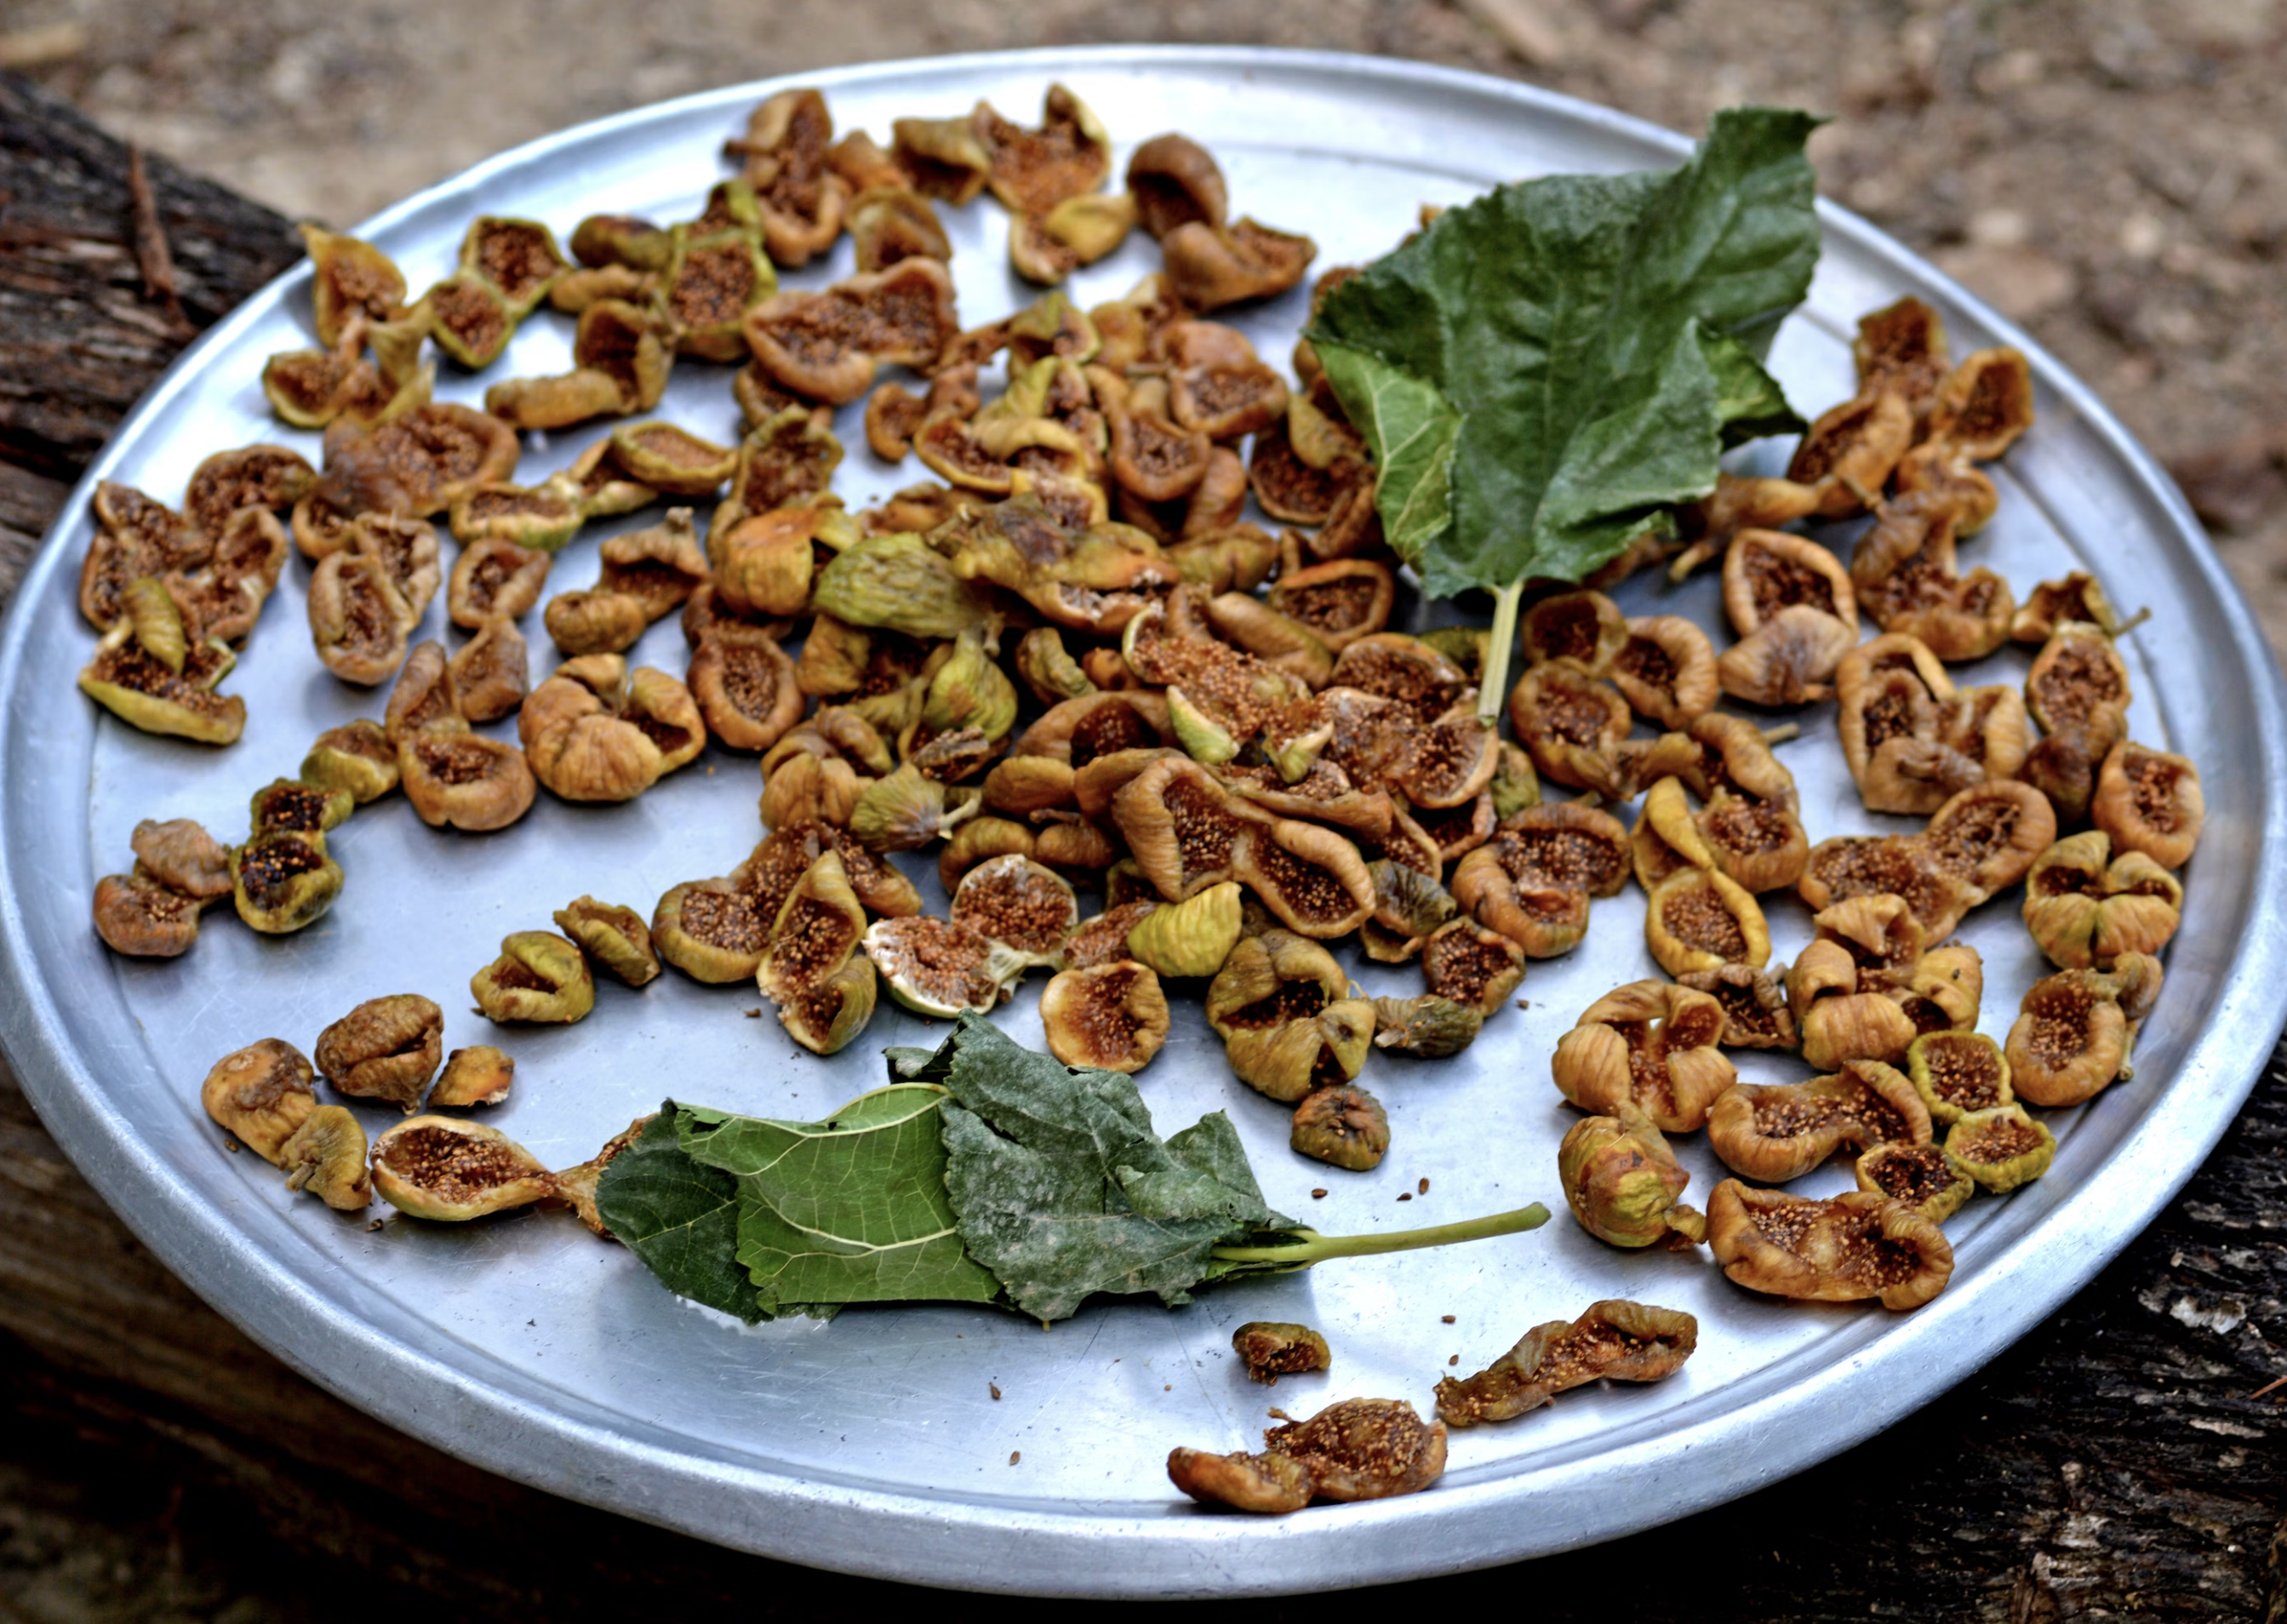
{"x":539,"y":976}
{"x":1111,"y":1015}
{"x":386,"y":1049}
{"x":450,"y":1170}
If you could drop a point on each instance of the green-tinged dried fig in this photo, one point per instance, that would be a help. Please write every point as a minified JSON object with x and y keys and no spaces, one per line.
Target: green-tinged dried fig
{"x":262,"y":1094}
{"x":899,"y":583}
{"x":2086,"y":906}
{"x":1957,"y":1072}
{"x":1192,"y":938}
{"x":1343,"y":1126}
{"x":1049,"y":671}
{"x":325,"y":1156}
{"x":1615,"y":1341}
{"x":2000,"y":1148}
{"x":620,"y":239}
{"x":386,"y":1049}
{"x":1270,"y":1349}
{"x":1430,"y":1026}
{"x":468,"y":319}
{"x":816,"y":929}
{"x":825,"y":1018}
{"x":137,"y":685}
{"x":968,"y":690}
{"x":357,"y":756}
{"x":1918,"y":1175}
{"x":479,"y":1075}
{"x":1020,"y":905}
{"x":541,"y":519}
{"x":1113,"y":1016}
{"x":137,"y":915}
{"x":1843,"y":1250}
{"x":1408,"y":906}
{"x":1269,"y":979}
{"x":1624,"y":1184}
{"x":1464,"y":961}
{"x":283,"y":880}
{"x":672,"y":461}
{"x":936,"y":967}
{"x":350,"y":278}
{"x":615,"y":937}
{"x":310,"y":809}
{"x":1078,"y":231}
{"x":1649,"y":1045}
{"x":180,"y":855}
{"x":903,"y":811}
{"x":712,"y":930}
{"x":448,"y":1170}
{"x":538,"y":976}
{"x":1288,"y":1061}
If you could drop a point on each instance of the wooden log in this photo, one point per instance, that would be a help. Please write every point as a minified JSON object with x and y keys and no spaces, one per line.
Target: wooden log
{"x":2117,"y":1463}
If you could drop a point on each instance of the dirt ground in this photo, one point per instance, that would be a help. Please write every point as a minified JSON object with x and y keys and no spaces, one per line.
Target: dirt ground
{"x":2111,"y":172}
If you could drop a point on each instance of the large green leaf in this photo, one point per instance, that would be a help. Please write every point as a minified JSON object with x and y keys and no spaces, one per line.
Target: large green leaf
{"x":1547,"y":369}
{"x":851,"y":1209}
{"x":679,"y":1216}
{"x":1063,"y":1189}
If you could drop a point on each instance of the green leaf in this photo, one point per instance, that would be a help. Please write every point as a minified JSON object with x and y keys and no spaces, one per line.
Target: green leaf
{"x":851,"y":1209}
{"x":1063,"y":1189}
{"x":1556,"y":364}
{"x":679,"y":1216}
{"x":1412,"y":428}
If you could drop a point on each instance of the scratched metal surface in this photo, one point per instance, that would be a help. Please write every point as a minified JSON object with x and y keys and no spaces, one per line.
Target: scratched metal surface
{"x":874,"y":1443}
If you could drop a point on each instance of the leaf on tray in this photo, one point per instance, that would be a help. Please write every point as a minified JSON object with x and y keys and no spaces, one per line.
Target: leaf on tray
{"x":1063,"y":1189}
{"x":1545,"y":371}
{"x":851,"y":1209}
{"x":679,"y":1216}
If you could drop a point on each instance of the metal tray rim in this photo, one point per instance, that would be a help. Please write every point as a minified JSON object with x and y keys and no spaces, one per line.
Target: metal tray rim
{"x":948,"y":1541}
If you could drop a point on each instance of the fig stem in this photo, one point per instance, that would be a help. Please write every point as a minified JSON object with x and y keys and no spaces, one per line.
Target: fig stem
{"x":1319,"y":1248}
{"x":1494,"y":686}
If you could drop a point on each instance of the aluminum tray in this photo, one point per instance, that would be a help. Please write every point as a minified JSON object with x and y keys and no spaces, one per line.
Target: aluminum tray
{"x":874,"y":1443}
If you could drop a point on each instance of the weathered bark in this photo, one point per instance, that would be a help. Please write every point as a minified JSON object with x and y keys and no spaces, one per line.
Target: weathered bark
{"x":2115,"y":1464}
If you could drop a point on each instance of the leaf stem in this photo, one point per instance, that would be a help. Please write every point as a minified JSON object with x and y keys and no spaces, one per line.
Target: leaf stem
{"x":1492,"y":688}
{"x":1318,"y":1247}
